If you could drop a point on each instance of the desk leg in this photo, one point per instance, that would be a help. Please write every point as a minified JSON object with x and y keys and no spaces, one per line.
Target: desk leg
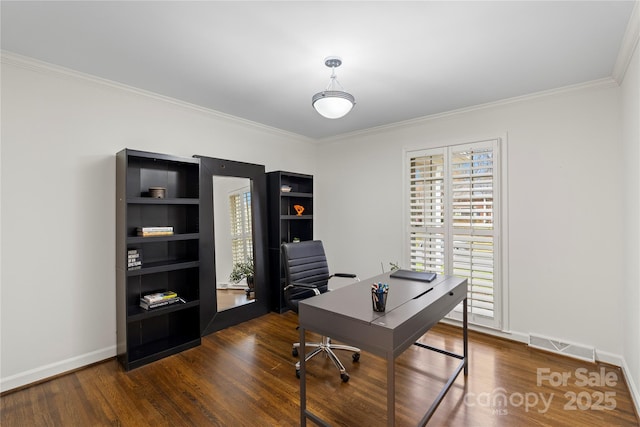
{"x":465,"y":341}
{"x":391,"y":391}
{"x":303,"y":379}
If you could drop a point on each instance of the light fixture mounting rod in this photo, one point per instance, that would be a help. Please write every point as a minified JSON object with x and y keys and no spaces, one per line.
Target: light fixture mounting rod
{"x":333,"y":61}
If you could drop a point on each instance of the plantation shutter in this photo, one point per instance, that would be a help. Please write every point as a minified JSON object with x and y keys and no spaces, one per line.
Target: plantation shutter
{"x":426,"y":212}
{"x":453,"y":199}
{"x":240,"y":213}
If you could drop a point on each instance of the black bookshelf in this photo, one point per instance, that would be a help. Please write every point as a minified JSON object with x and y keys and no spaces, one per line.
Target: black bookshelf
{"x":168,"y":262}
{"x":285,"y":224}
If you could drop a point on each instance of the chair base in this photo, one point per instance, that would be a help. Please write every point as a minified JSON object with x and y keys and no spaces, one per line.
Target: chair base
{"x":325,"y":347}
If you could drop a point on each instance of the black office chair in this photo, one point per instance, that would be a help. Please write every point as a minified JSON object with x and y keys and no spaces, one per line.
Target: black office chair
{"x":307,"y":275}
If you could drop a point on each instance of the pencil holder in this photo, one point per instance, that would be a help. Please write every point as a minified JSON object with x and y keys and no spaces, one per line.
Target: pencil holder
{"x":379,"y":300}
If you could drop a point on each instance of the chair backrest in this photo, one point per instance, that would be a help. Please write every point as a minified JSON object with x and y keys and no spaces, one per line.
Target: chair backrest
{"x":304,"y":262}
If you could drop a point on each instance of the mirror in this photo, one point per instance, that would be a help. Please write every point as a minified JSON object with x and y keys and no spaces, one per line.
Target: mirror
{"x":214,"y":316}
{"x":233,"y":231}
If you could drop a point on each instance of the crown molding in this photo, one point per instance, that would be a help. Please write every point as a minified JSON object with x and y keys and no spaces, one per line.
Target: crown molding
{"x":628,"y":46}
{"x":607,"y":82}
{"x":35,"y":65}
{"x":32,"y":64}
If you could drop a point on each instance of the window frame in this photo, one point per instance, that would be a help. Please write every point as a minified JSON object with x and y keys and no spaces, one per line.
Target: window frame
{"x":240,"y":200}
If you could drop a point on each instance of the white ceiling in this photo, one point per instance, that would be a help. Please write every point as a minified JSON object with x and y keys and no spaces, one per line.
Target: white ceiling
{"x":263,"y":60}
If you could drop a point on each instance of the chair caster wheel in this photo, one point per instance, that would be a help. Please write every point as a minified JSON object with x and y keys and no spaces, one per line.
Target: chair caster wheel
{"x":298,"y":373}
{"x":355,"y":357}
{"x":294,"y":352}
{"x":344,"y":377}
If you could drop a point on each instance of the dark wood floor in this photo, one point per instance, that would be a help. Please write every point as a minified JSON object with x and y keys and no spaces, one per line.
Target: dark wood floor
{"x":245,"y":376}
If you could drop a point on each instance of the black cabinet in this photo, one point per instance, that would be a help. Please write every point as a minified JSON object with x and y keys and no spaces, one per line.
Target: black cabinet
{"x":169,"y":260}
{"x":290,"y":206}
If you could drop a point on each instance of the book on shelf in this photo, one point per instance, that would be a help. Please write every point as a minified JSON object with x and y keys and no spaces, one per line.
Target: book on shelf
{"x":159,"y":296}
{"x":147,"y":305}
{"x":134,"y":259}
{"x":154,"y":231}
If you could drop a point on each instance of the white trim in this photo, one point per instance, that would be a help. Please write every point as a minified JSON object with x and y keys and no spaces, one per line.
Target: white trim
{"x":503,"y":142}
{"x":634,"y":387}
{"x":628,"y":46}
{"x":32,"y":64}
{"x":61,"y":367}
{"x":508,"y":335}
{"x":604,"y":83}
{"x":612,"y":359}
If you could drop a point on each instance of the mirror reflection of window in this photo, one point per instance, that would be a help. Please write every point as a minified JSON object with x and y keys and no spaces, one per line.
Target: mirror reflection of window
{"x":233,"y":240}
{"x":240,"y":213}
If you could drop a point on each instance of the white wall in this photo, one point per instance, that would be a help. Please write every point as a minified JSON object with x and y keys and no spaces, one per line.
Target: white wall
{"x":565,"y":202}
{"x":60,"y":133}
{"x":630,"y":89}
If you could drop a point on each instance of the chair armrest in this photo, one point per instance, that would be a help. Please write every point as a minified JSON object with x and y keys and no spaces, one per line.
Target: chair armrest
{"x":349,"y":275}
{"x":309,"y":286}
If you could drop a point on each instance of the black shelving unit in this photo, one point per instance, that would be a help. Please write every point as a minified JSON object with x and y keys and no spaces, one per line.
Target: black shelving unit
{"x":168,"y":262}
{"x":285,"y":225}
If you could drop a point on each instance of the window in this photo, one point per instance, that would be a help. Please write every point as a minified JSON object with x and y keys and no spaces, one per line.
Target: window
{"x":241,"y":240}
{"x":454,"y":221}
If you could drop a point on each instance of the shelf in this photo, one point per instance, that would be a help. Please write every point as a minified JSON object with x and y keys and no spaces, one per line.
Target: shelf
{"x":168,"y":262}
{"x":295,"y":194}
{"x":296,"y":217}
{"x":171,"y":238}
{"x":159,"y":267}
{"x":156,"y":350}
{"x":167,"y":158}
{"x":285,"y":225}
{"x":168,"y":201}
{"x":137,"y":313}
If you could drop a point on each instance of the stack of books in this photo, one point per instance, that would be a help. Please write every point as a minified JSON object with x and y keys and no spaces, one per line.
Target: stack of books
{"x":159,"y":299}
{"x":134,"y":259}
{"x":154,"y":231}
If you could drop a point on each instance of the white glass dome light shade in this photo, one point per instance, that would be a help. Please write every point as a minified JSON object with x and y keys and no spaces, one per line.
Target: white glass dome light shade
{"x":333,"y":104}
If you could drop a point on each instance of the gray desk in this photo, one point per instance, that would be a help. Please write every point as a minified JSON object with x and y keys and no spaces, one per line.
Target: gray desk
{"x":346,"y":315}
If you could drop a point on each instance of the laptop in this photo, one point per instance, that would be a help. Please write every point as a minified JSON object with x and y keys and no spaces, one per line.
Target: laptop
{"x":421,"y":276}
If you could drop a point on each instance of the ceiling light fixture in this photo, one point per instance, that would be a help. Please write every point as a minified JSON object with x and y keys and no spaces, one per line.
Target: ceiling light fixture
{"x":332,"y":103}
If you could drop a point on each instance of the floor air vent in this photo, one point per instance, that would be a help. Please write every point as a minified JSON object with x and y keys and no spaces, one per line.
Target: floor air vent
{"x":568,"y":349}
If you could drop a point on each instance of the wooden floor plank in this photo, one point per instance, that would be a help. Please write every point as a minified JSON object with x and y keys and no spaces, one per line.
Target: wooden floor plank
{"x":245,"y":376}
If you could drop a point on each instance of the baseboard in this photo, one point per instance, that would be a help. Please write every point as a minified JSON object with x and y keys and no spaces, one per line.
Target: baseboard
{"x":616,"y":360}
{"x":634,"y":387}
{"x":237,"y":286}
{"x":509,"y":335}
{"x":610,"y":358}
{"x":49,"y":371}
{"x":232,"y":286}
